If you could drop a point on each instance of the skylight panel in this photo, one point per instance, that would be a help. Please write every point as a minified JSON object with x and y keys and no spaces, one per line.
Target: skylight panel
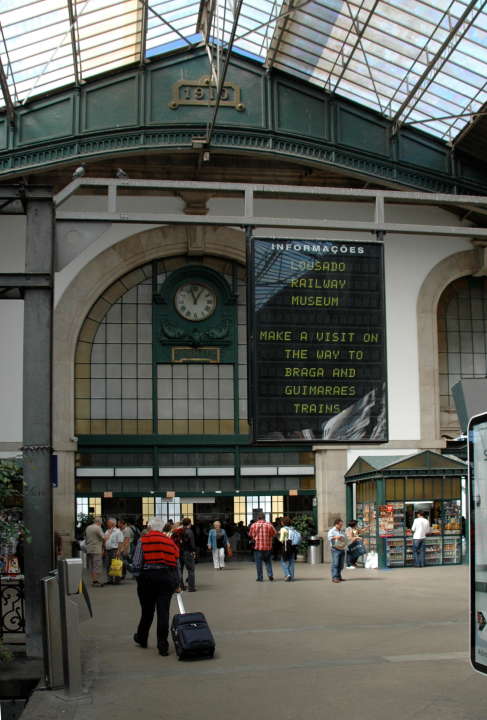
{"x":383,"y":53}
{"x":113,"y":26}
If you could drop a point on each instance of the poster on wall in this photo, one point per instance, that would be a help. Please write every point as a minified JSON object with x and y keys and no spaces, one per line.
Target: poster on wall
{"x":477,"y":463}
{"x":318,"y":341}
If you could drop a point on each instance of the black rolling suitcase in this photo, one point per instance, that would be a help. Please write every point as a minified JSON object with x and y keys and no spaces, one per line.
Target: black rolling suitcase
{"x":191,"y":635}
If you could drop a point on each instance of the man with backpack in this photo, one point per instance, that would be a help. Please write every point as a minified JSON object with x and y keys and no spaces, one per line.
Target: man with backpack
{"x":290,"y":540}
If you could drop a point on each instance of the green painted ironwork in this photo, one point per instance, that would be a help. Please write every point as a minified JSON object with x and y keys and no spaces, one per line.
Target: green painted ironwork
{"x":134,"y":111}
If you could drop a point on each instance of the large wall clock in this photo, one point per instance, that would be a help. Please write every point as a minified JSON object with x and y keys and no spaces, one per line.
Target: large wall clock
{"x":195,"y":301}
{"x":195,"y":317}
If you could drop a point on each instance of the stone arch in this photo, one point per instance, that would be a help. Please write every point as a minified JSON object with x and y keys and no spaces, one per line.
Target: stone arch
{"x":451,"y":268}
{"x":99,"y":277}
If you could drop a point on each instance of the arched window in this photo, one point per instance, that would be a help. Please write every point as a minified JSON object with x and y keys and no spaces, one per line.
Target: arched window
{"x":139,"y":372}
{"x":462,"y":341}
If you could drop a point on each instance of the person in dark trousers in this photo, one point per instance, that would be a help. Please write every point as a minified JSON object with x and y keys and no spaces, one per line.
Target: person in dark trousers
{"x":338,"y":544}
{"x":155,"y":568}
{"x":262,"y":533}
{"x":188,"y":555}
{"x":420,"y":529}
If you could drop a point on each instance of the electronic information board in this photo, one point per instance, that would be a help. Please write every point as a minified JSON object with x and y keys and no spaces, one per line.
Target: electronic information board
{"x":318,"y":341}
{"x":477,"y":468}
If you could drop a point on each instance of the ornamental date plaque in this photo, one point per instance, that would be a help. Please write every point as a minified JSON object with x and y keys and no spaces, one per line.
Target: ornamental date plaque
{"x":203,"y":92}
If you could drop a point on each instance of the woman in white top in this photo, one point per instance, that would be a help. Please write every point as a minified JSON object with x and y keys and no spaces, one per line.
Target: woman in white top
{"x":354,"y":544}
{"x":288,"y":557}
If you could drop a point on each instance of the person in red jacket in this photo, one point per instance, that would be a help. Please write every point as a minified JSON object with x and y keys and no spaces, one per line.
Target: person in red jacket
{"x":155,"y":565}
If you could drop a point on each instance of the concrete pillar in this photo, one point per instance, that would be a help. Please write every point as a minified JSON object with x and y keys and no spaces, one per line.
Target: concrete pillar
{"x":37,"y":438}
{"x":331,"y":466}
{"x":64,"y":500}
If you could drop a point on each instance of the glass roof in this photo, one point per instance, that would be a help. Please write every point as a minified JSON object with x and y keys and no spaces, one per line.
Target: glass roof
{"x":416,"y":62}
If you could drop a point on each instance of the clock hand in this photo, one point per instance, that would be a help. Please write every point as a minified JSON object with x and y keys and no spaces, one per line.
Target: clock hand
{"x":198,"y":295}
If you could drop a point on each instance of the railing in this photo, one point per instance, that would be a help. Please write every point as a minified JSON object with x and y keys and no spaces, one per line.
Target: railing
{"x":12,"y":607}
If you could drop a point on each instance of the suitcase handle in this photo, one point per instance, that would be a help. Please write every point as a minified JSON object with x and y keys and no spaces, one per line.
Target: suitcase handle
{"x":180,"y":603}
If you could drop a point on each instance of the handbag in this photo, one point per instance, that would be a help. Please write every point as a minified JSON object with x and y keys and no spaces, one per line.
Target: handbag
{"x":340,"y":542}
{"x":229,"y":552}
{"x":116,"y":568}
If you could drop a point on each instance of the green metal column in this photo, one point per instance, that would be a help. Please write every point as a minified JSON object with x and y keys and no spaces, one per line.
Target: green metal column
{"x":349,"y":501}
{"x":37,"y":415}
{"x":381,"y":542}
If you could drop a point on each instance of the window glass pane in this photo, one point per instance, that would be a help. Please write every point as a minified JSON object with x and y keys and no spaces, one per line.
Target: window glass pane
{"x":399,"y":486}
{"x":428,"y":488}
{"x":410,"y":489}
{"x":190,"y":399}
{"x":147,"y":509}
{"x":81,"y":507}
{"x":462,"y":309}
{"x":447,"y":487}
{"x":437,"y":488}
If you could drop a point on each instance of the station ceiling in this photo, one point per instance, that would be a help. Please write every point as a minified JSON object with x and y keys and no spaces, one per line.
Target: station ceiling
{"x":417,"y":62}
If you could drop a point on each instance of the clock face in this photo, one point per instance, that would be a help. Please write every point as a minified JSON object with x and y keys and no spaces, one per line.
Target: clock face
{"x":195,"y":301}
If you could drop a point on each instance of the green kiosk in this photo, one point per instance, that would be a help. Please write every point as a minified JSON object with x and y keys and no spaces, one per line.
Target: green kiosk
{"x":384,"y":493}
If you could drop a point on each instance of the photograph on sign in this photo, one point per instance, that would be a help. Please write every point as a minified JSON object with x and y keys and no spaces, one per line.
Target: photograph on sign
{"x":477,"y":434}
{"x":318,"y":341}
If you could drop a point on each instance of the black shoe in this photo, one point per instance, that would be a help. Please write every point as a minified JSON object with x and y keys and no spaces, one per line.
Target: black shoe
{"x":164,"y":651}
{"x":139,"y":642}
{"x":183,"y":587}
{"x":192,"y":590}
{"x":260,"y":580}
{"x":271,"y":579}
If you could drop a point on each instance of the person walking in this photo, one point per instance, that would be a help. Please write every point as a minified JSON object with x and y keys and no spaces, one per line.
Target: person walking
{"x":94,"y":539}
{"x":234,"y":540}
{"x":276,"y":541}
{"x":155,"y":568}
{"x":127,"y":545}
{"x":338,"y":544}
{"x":113,"y":548}
{"x":288,"y":550}
{"x":217,"y":543}
{"x":262,"y":532}
{"x":188,"y":555}
{"x":420,"y":529}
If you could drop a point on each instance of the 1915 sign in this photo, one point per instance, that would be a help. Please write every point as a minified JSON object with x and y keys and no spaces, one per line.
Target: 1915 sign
{"x":318,"y":341}
{"x":204,"y":92}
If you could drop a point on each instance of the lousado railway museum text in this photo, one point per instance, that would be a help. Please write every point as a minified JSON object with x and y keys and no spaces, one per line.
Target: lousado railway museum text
{"x":318,"y":341}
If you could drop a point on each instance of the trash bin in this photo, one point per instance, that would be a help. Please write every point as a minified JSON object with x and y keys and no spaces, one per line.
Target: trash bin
{"x":315,"y":550}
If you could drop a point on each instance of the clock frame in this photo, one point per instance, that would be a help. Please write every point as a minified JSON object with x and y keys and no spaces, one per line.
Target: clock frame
{"x":195,"y":301}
